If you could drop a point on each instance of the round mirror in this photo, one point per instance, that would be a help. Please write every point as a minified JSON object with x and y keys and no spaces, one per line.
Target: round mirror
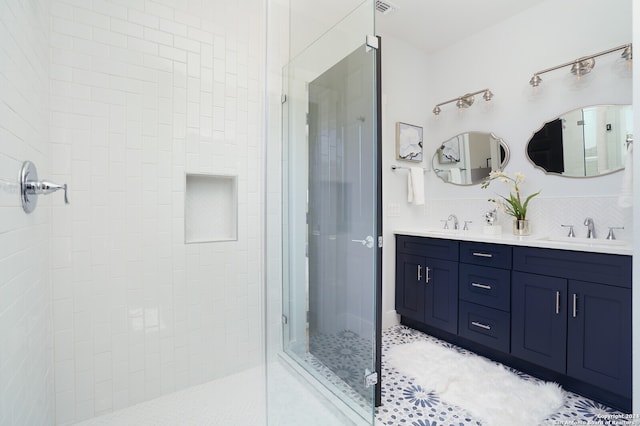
{"x":468,"y":158}
{"x":585,"y":142}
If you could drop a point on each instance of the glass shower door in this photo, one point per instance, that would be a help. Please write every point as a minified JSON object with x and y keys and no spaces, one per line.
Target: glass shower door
{"x":331,"y":211}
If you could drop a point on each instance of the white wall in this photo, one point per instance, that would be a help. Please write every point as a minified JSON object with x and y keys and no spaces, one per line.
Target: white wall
{"x":26,"y":348}
{"x":405,"y":77}
{"x":309,"y":20}
{"x":636,"y":228}
{"x":277,"y":57}
{"x":503,"y":58}
{"x":143,"y":92}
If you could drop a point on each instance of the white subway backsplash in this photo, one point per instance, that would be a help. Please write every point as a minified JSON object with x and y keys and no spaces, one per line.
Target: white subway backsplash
{"x":545,"y":214}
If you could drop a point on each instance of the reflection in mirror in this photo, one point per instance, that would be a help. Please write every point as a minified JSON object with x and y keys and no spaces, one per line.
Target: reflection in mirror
{"x":585,"y":142}
{"x":468,"y":158}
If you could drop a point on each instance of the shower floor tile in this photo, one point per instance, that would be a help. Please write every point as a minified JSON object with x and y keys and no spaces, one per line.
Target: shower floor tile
{"x":233,"y":400}
{"x":240,"y":399}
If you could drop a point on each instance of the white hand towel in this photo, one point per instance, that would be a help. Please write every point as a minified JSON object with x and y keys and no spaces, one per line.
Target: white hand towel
{"x":625,"y":199}
{"x":455,"y":176}
{"x":415,"y":186}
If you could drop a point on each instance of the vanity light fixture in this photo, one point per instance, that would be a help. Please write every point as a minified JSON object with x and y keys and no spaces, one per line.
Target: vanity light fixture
{"x":584,"y":65}
{"x":464,"y":101}
{"x":627,"y":54}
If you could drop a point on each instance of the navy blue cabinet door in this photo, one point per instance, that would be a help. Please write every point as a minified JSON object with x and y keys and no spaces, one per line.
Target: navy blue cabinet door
{"x":539,"y":320}
{"x":410,"y":286}
{"x":427,"y":291}
{"x":599,"y":345}
{"x":441,"y":299}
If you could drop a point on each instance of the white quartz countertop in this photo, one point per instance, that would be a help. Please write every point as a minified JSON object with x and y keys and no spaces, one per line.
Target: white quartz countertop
{"x":544,"y":241}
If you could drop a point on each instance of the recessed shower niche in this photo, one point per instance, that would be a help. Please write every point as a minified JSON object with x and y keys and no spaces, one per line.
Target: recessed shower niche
{"x":211,"y":208}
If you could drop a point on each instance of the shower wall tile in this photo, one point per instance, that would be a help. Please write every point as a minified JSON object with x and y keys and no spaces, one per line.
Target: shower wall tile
{"x":26,"y":311}
{"x":144,"y":92}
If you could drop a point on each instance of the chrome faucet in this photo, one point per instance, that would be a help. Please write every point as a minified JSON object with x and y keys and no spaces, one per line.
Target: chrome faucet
{"x":571,"y":234}
{"x":591,"y":231}
{"x":454,"y":218}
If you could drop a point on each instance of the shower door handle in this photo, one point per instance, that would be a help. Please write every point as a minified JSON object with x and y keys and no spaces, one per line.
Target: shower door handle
{"x":368,"y":241}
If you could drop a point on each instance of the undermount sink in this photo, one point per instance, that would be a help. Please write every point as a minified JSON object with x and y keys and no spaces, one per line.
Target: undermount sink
{"x":584,"y":241}
{"x":444,"y":231}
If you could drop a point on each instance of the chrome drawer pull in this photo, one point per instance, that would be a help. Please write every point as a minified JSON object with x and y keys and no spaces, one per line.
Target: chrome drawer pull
{"x":478,"y":324}
{"x":479,"y":254}
{"x":575,"y":303}
{"x":557,"y":302}
{"x":482,"y":286}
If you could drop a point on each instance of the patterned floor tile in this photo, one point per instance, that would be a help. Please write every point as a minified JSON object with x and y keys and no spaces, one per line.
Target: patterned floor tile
{"x":407,"y":403}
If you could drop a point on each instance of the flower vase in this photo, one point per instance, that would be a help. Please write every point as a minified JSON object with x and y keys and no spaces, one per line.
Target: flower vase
{"x":521,"y":227}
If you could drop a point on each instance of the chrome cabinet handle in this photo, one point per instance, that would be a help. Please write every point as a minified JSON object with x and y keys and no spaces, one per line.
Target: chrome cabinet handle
{"x":557,"y":302}
{"x":482,"y":286}
{"x":478,"y":324}
{"x":575,"y":305}
{"x":419,"y":272}
{"x":427,"y":277}
{"x":480,"y":254}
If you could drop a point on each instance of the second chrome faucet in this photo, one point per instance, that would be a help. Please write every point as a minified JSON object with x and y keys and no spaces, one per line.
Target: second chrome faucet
{"x":454,"y":218}
{"x":591,"y":230}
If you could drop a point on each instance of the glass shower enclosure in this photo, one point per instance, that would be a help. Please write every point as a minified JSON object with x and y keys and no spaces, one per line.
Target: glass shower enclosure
{"x":331,"y":212}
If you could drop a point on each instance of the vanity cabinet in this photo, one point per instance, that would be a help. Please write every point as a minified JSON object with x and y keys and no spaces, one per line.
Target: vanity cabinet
{"x":427,"y":281}
{"x":484,"y":289}
{"x":539,"y":332}
{"x":599,"y":336}
{"x":561,"y":315}
{"x":575,"y":327}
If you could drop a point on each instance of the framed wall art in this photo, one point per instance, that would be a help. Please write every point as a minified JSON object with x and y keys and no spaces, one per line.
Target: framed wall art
{"x":408,"y":142}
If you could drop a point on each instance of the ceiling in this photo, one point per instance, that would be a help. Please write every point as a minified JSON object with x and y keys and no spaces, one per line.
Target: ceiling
{"x":431,"y":25}
{"x":426,"y":24}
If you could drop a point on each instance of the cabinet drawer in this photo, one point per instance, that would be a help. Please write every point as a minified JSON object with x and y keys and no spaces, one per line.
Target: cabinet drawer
{"x":428,"y":247}
{"x":485,"y":286}
{"x":483,"y":254}
{"x":487,"y":326}
{"x":602,"y":268}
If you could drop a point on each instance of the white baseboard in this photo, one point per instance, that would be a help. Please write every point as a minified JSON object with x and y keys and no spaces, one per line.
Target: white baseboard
{"x":389,"y":319}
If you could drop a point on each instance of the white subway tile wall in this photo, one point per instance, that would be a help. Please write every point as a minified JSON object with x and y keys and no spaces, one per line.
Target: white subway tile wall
{"x":26,"y":322}
{"x":143,"y":92}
